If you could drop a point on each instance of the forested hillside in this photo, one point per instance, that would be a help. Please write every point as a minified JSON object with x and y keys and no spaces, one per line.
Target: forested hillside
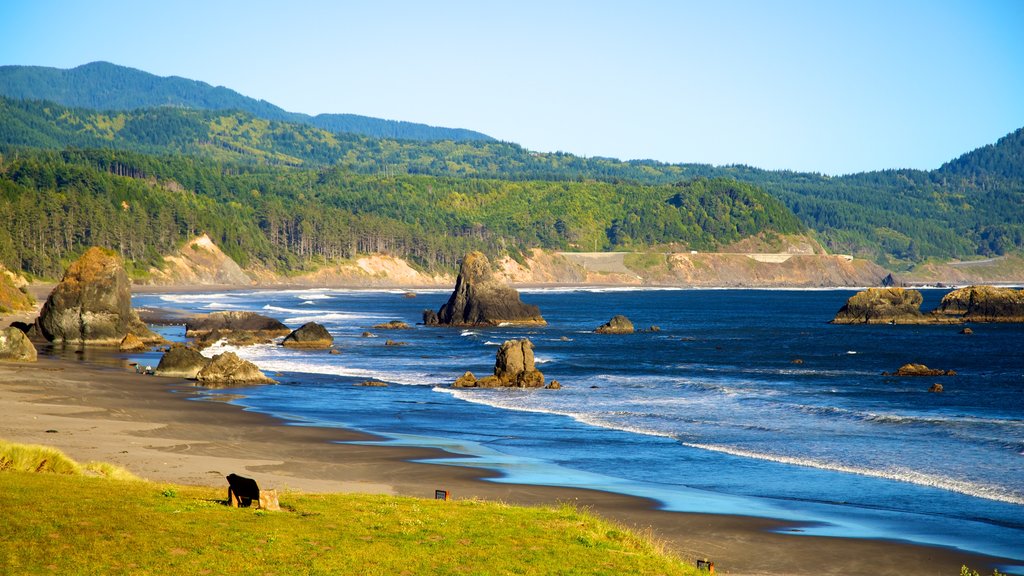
{"x":971,"y":207}
{"x":287,"y":218}
{"x":106,"y":86}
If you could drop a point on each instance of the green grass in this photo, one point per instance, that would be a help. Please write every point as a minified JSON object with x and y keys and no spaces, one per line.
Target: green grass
{"x":44,"y":459}
{"x":73,"y":524}
{"x":644,"y":261}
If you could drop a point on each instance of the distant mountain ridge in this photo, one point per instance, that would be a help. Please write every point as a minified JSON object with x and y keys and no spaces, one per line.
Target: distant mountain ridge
{"x":106,"y":86}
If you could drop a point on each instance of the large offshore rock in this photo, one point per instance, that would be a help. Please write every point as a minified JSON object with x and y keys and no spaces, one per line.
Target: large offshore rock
{"x":309,"y":335}
{"x":618,"y":324}
{"x":234,"y":321}
{"x":92,"y":304}
{"x":883,"y":306}
{"x":983,"y":304}
{"x":513,"y":367}
{"x":479,"y":299}
{"x":181,"y":362}
{"x":228,"y":369}
{"x":15,"y":346}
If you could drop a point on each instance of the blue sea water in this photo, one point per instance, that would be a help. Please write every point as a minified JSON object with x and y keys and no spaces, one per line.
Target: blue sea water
{"x":708,"y":414}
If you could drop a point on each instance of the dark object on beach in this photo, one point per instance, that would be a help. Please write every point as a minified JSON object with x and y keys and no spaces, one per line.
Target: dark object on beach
{"x":92,"y":304}
{"x":242,"y":492}
{"x":936,"y":388}
{"x":181,"y":362}
{"x":392,"y":325}
{"x":619,"y":324}
{"x":479,"y":299}
{"x":983,"y":304}
{"x":228,"y":369}
{"x":705,"y":564}
{"x":967,"y":331}
{"x":309,"y":335}
{"x":440,"y":494}
{"x":234,"y":321}
{"x":919,"y":370}
{"x":15,"y":345}
{"x":513,"y":367}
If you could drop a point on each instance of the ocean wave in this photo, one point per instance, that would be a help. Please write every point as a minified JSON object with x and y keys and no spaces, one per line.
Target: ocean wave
{"x":321,"y":317}
{"x":197,"y":298}
{"x":976,"y":489}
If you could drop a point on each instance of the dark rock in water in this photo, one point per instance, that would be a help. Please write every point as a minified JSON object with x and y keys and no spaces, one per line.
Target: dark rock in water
{"x":92,"y":304}
{"x":309,"y":335}
{"x":181,"y":362}
{"x":409,"y":295}
{"x":15,"y":346}
{"x":797,"y":361}
{"x":919,"y":370}
{"x":513,"y":367}
{"x":233,"y":338}
{"x":392,"y":325}
{"x":936,"y":388}
{"x":373,"y":384}
{"x":479,"y":299}
{"x":882,"y":306}
{"x":983,"y":304}
{"x":390,"y":342}
{"x":369,"y":335}
{"x":234,"y":321}
{"x":430,"y":318}
{"x":335,"y":351}
{"x":619,"y":324}
{"x":554,"y":385}
{"x":967,"y":331}
{"x":228,"y":369}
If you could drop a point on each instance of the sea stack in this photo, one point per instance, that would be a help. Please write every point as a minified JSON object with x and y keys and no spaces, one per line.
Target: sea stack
{"x":882,"y":306}
{"x":479,"y":299}
{"x":983,"y":304}
{"x":92,"y":304}
{"x":513,"y":368}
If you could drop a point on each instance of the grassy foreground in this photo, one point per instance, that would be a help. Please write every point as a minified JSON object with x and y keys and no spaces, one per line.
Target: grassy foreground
{"x":68,"y":523}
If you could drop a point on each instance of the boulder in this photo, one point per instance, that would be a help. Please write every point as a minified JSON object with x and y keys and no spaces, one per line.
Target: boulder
{"x":132,"y":343}
{"x":619,"y":324}
{"x":967,"y":331}
{"x":936,"y":388}
{"x":479,"y":299}
{"x":554,"y":385}
{"x":228,"y":369}
{"x":181,"y":362}
{"x":882,"y":306}
{"x":309,"y":335}
{"x":919,"y":370}
{"x":513,"y":367}
{"x":14,"y":296}
{"x":233,"y":338}
{"x":92,"y":304}
{"x":983,"y":304}
{"x":392,"y":325}
{"x":15,"y":346}
{"x":373,"y":384}
{"x":235,"y":321}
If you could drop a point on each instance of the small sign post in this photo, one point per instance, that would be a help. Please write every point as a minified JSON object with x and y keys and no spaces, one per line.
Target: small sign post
{"x":440,"y":494}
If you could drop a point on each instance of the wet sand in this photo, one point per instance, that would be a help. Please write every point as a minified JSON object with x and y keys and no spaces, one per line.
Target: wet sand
{"x":154,"y":427}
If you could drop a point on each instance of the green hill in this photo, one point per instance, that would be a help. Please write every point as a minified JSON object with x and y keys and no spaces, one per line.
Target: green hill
{"x":106,"y":86}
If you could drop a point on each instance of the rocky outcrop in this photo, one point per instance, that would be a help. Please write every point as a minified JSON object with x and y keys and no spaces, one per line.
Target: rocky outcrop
{"x":936,"y":388}
{"x":919,"y":370}
{"x":882,"y":306}
{"x":234,"y":338}
{"x":392,"y":325}
{"x":479,"y":299}
{"x":983,"y":304}
{"x":181,"y":362}
{"x":92,"y":304}
{"x":15,"y":346}
{"x":235,"y":321}
{"x":619,"y":324}
{"x":228,"y":369}
{"x":513,"y":367}
{"x":14,"y":296}
{"x":309,"y":335}
{"x":132,"y":343}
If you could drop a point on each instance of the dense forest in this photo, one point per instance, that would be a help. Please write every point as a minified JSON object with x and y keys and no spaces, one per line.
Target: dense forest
{"x":106,"y":86}
{"x":971,"y":207}
{"x":59,"y":202}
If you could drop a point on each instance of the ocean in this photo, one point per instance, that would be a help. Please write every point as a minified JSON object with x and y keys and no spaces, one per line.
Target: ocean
{"x":741,"y":402}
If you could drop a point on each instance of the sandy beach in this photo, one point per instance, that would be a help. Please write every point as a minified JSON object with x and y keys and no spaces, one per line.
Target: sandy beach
{"x":96,"y":408}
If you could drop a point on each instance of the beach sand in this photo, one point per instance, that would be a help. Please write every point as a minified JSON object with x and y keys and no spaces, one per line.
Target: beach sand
{"x":102,"y":410}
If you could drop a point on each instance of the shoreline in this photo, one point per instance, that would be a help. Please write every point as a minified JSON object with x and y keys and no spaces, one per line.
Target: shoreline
{"x":155,"y":428}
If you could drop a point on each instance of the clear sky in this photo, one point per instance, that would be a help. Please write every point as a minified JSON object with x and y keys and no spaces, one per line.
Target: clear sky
{"x":818,"y":85}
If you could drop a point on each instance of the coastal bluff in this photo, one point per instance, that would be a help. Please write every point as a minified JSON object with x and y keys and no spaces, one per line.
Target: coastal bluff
{"x":480,"y":299}
{"x":903,"y":306}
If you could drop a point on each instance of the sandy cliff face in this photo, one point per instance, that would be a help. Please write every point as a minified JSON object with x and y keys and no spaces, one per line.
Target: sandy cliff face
{"x":199,"y":263}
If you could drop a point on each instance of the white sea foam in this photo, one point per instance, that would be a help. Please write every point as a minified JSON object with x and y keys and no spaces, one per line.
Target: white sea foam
{"x":197,"y":298}
{"x":975,"y":489}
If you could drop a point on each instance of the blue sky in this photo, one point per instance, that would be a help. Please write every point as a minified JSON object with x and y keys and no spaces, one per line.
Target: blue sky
{"x":822,"y":86}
